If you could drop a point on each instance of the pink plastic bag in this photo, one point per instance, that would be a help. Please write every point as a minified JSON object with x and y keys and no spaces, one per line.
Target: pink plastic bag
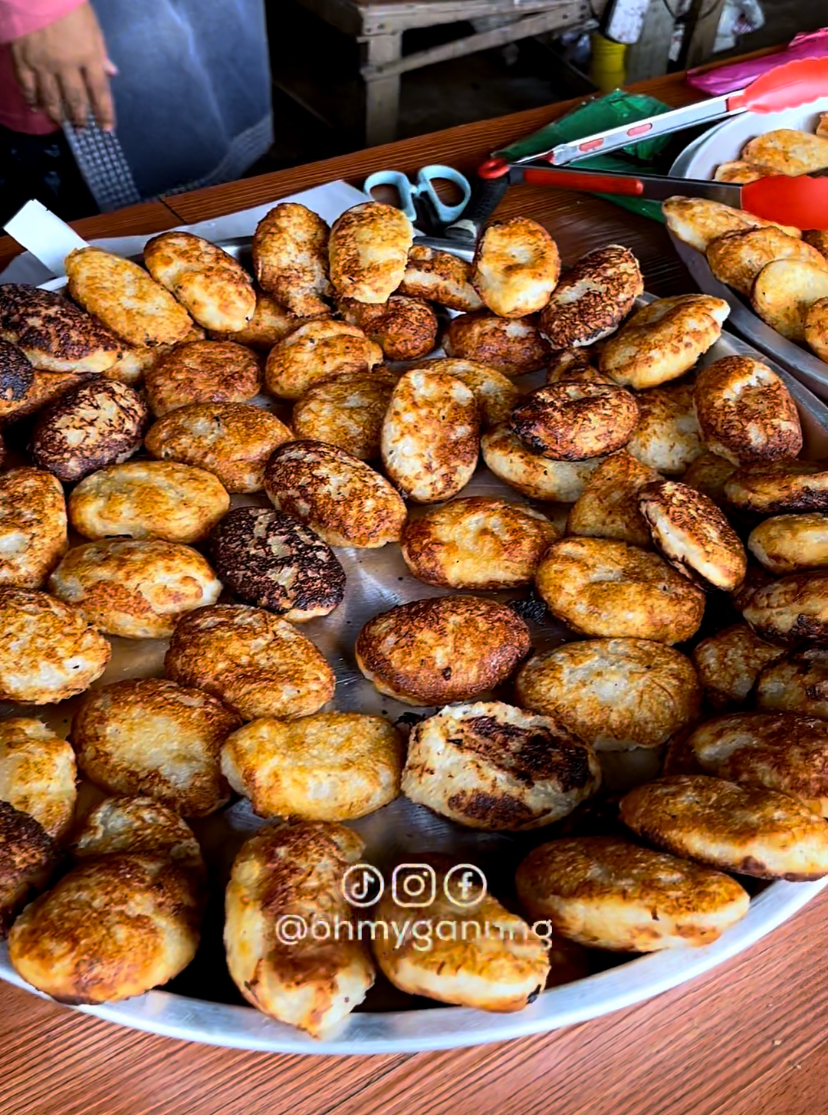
{"x":740,"y":74}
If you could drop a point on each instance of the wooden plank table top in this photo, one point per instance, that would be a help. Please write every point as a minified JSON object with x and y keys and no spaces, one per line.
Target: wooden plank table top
{"x":743,"y":1039}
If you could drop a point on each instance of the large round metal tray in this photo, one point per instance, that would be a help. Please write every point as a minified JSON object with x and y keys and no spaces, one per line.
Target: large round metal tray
{"x":699,"y":160}
{"x":203,"y":1006}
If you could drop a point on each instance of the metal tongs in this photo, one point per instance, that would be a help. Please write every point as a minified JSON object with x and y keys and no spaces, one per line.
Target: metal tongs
{"x":801,"y":201}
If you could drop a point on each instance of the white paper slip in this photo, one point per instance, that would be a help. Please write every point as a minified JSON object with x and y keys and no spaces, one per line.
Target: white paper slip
{"x":47,"y":237}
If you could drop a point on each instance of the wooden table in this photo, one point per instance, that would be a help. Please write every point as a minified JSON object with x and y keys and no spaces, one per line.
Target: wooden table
{"x":746,"y":1038}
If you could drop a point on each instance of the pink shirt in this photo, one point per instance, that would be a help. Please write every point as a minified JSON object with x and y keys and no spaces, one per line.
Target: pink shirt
{"x":19,"y":17}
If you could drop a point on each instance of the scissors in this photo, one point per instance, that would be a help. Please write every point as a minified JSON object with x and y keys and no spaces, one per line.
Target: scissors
{"x":419,"y":200}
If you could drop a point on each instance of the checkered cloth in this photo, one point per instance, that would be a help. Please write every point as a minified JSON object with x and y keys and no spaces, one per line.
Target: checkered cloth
{"x":103,"y":165}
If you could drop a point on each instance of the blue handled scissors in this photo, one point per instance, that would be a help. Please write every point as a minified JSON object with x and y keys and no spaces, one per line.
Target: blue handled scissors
{"x":423,"y":188}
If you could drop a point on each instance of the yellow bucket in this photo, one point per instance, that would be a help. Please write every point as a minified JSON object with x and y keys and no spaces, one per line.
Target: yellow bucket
{"x":607,"y":69}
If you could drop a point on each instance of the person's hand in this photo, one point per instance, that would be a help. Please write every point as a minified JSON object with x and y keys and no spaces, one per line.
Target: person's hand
{"x":63,"y":69}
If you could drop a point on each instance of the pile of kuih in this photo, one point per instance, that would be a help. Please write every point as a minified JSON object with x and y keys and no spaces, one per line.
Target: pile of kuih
{"x":152,"y":425}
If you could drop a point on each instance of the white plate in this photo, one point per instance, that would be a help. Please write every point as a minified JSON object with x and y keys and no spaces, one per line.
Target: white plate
{"x":723,"y":144}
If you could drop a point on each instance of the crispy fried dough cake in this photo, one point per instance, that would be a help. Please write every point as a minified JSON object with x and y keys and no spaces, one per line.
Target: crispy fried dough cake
{"x":697,"y":221}
{"x":494,"y":767}
{"x":740,"y":172}
{"x":729,"y":662}
{"x":38,"y":773}
{"x":347,"y":411}
{"x":779,"y":487}
{"x":708,"y":474}
{"x":791,"y":611}
{"x":615,"y":694}
{"x":32,"y":526}
{"x":295,"y":871}
{"x":592,"y":298}
{"x":478,"y":955}
{"x":28,"y":858}
{"x":509,"y":345}
{"x":52,"y":333}
{"x":575,"y":421}
{"x":338,"y":496}
{"x":202,"y":372}
{"x":738,"y":257}
{"x":815,"y":327}
{"x":791,"y":543}
{"x":254,"y":662}
{"x":48,"y":651}
{"x":209,"y":283}
{"x":495,"y":393}
{"x":667,"y":437}
{"x":749,"y":830}
{"x":368,"y":251}
{"x":447,"y":648}
{"x":785,"y":290}
{"x":785,"y":751}
{"x":611,"y":894}
{"x":477,"y":543}
{"x":231,"y":440}
{"x":787,"y":151}
{"x":334,"y":766}
{"x":112,"y":928}
{"x":270,"y":324}
{"x":516,"y":267}
{"x":155,"y":738}
{"x":125,"y":298}
{"x":534,"y":476}
{"x":606,"y":588}
{"x":140,"y":825}
{"x":430,"y":436}
{"x":290,"y":258}
{"x":663,"y":340}
{"x":315,"y":352}
{"x":439,"y":277}
{"x":608,"y":506}
{"x":795,"y":683}
{"x":404,"y":328}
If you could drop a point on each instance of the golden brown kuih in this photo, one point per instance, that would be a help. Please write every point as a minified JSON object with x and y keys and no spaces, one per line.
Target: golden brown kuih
{"x":738,"y":257}
{"x":780,"y":487}
{"x":430,"y":436}
{"x":155,"y":738}
{"x":576,"y":364}
{"x":477,"y":543}
{"x":270,"y":559}
{"x":270,"y":324}
{"x":486,"y":957}
{"x":697,"y":221}
{"x":611,"y":894}
{"x":790,"y":543}
{"x":209,"y":283}
{"x":667,"y":437}
{"x":592,"y":298}
{"x":368,"y":251}
{"x":530,"y":474}
{"x":231,"y":440}
{"x":404,"y":328}
{"x":788,"y":151}
{"x":125,"y":298}
{"x":494,"y":767}
{"x":785,"y":751}
{"x":112,"y":928}
{"x":202,"y":372}
{"x":318,"y":351}
{"x":38,"y":773}
{"x":27,"y":862}
{"x":512,"y":346}
{"x":334,"y":766}
{"x":746,"y":412}
{"x":495,"y":393}
{"x":439,"y":277}
{"x":53,"y":334}
{"x":694,"y":535}
{"x":608,"y":506}
{"x":140,"y":825}
{"x":795,"y":683}
{"x":290,"y":258}
{"x":98,"y":423}
{"x":815,"y":327}
{"x":133,"y":362}
{"x":791,"y":611}
{"x":448,"y":648}
{"x":606,"y":588}
{"x":745,"y":829}
{"x":137,"y":589}
{"x":785,"y":289}
{"x":33,"y":535}
{"x":148,"y":499}
{"x":663,"y":340}
{"x":346,"y":411}
{"x":296,"y":870}
{"x":817,"y":238}
{"x":254,"y":662}
{"x":48,"y":651}
{"x":615,"y":694}
{"x":338,"y":496}
{"x":729,"y":662}
{"x":21,"y":398}
{"x":575,"y":421}
{"x":708,"y":474}
{"x":740,"y":172}
{"x":516,"y":267}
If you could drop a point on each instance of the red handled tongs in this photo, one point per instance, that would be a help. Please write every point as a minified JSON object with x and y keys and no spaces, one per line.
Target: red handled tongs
{"x":801,"y":201}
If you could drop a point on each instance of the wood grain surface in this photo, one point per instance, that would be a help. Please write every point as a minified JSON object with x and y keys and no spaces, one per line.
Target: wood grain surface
{"x":744,"y":1039}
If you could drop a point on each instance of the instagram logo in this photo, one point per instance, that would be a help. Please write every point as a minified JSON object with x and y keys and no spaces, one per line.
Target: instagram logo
{"x":414,"y":884}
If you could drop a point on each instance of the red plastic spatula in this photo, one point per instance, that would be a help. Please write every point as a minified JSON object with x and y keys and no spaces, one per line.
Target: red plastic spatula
{"x":801,"y":201}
